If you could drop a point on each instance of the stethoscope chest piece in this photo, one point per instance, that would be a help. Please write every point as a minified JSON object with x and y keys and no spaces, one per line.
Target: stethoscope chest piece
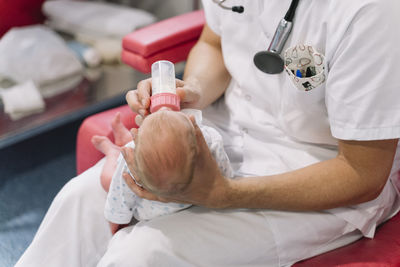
{"x":269,"y":62}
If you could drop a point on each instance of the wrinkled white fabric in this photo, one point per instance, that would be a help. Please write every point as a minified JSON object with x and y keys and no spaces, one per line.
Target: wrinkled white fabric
{"x":358,"y":100}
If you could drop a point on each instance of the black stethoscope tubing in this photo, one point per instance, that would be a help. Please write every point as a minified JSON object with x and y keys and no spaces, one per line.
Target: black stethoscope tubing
{"x":270,"y":61}
{"x":291,"y":11}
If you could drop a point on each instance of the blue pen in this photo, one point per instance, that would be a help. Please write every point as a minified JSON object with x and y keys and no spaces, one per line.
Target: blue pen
{"x":298,"y":74}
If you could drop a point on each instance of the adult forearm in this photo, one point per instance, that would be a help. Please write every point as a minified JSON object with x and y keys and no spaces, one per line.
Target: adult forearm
{"x":325,"y":185}
{"x":205,"y":69}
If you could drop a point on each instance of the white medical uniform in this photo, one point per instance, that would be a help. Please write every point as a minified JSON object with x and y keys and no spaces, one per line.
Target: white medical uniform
{"x":273,"y":128}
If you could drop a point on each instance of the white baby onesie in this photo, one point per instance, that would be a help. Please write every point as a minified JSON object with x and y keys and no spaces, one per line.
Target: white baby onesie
{"x":122,"y":204}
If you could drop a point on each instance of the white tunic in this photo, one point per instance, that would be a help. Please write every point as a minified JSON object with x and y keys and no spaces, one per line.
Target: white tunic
{"x":283,"y":128}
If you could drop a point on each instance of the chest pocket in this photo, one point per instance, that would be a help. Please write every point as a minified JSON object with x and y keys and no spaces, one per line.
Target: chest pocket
{"x":304,"y":115}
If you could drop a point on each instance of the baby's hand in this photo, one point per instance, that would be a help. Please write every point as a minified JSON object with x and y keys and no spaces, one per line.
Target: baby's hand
{"x":116,"y":227}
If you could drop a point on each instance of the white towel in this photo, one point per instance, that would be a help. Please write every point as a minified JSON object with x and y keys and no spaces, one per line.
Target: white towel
{"x":101,"y":20}
{"x":22,"y":100}
{"x":37,"y":53}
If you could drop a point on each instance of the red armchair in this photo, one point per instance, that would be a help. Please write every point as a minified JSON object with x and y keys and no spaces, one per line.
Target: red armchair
{"x":19,"y":13}
{"x":171,"y":40}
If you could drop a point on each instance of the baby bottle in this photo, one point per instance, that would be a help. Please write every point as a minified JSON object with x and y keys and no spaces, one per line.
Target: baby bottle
{"x":163,"y":86}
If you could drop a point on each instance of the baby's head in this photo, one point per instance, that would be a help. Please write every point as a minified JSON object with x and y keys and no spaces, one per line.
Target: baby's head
{"x":165,"y":152}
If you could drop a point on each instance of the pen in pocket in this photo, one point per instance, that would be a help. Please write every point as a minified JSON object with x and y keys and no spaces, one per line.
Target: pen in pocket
{"x":310,"y":71}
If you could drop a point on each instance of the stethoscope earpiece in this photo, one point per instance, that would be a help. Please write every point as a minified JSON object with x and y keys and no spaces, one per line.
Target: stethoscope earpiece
{"x":238,"y":9}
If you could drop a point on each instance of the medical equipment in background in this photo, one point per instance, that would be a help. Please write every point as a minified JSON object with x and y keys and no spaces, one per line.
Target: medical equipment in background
{"x":163,"y":86}
{"x":270,"y":61}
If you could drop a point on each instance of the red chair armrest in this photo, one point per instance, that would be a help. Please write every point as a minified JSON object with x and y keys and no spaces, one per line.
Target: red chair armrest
{"x":17,"y":13}
{"x":170,"y":39}
{"x":174,"y":54}
{"x":99,"y":124}
{"x":381,"y":251}
{"x":165,"y":34}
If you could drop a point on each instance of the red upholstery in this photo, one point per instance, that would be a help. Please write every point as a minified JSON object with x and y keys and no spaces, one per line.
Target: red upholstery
{"x":170,"y":39}
{"x":100,"y":124}
{"x":19,"y":13}
{"x":382,"y":251}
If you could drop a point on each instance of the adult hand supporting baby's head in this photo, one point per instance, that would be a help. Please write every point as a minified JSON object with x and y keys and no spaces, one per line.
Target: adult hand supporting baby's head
{"x":139,"y":99}
{"x":208,"y":187}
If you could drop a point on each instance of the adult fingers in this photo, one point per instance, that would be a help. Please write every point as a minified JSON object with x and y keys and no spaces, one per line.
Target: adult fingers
{"x":188,"y":96}
{"x":144,"y":92}
{"x":134,"y":133}
{"x":139,"y":191}
{"x":179,"y":83}
{"x":132,"y":182}
{"x":129,"y":156}
{"x":139,"y":120}
{"x":139,"y":99}
{"x":133,"y":100}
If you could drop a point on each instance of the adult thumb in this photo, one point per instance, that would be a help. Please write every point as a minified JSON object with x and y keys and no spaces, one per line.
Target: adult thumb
{"x":187,"y":96}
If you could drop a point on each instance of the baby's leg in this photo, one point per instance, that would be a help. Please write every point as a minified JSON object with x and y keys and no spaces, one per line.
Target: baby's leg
{"x":111,"y":152}
{"x":121,"y":133}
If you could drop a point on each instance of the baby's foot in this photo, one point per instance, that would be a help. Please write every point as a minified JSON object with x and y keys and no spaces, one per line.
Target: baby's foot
{"x":104,"y":145}
{"x":122,"y":135}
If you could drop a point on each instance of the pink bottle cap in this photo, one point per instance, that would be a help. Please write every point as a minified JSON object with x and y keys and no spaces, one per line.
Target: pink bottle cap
{"x":160,"y":100}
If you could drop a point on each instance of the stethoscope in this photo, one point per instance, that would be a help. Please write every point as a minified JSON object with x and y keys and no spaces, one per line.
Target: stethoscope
{"x":270,"y":61}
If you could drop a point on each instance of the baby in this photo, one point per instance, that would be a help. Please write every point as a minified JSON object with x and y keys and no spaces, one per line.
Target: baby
{"x":165,"y":157}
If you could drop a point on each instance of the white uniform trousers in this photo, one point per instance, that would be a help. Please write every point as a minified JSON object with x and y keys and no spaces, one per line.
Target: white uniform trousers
{"x":75,"y":233}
